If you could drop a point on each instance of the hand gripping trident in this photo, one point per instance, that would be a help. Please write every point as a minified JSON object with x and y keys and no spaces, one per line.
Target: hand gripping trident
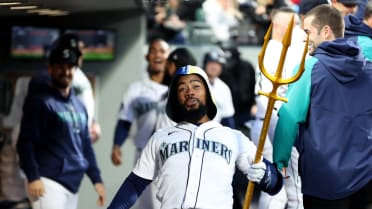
{"x":276,"y":80}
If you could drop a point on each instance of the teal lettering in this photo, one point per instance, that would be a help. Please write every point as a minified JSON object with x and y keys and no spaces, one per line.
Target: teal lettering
{"x":164,"y":153}
{"x":173,"y":150}
{"x":168,"y":150}
{"x":205,"y":145}
{"x":184,"y":146}
{"x":215,"y":147}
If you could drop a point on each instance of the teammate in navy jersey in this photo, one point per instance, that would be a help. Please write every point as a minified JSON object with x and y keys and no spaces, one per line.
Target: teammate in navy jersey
{"x":54,"y":145}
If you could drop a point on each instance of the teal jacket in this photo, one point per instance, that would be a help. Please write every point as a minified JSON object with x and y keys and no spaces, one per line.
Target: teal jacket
{"x":328,"y":118}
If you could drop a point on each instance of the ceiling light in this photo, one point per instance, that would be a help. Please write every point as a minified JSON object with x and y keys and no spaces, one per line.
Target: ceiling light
{"x":9,"y":3}
{"x":23,"y":7}
{"x":51,"y":12}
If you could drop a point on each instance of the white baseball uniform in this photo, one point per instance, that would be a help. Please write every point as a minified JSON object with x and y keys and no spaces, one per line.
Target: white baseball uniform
{"x":193,"y":166}
{"x":292,"y":197}
{"x":84,"y":91}
{"x":223,"y":99}
{"x":138,"y":104}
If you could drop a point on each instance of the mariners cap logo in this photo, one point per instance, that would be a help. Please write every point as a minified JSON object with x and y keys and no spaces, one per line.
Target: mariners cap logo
{"x":66,"y":53}
{"x":73,"y":43}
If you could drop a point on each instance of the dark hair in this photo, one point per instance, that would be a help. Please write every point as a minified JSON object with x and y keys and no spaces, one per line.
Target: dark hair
{"x":327,"y":15}
{"x":306,"y":5}
{"x":368,"y":11}
{"x":154,"y":40}
{"x":181,"y":57}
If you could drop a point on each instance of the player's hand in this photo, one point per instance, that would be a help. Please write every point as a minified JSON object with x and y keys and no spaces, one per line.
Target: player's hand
{"x":256,"y":171}
{"x":36,"y":189}
{"x":116,"y":155}
{"x":100,"y":189}
{"x":95,"y":131}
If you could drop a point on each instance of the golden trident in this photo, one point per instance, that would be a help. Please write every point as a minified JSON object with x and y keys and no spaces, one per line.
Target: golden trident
{"x":276,"y":80}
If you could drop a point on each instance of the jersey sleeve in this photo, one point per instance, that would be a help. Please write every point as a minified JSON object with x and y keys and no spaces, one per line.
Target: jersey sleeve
{"x":93,"y":171}
{"x":33,"y":120}
{"x":229,"y":110}
{"x":247,"y":152}
{"x":84,"y":91}
{"x":126,"y":111}
{"x":146,"y":164}
{"x":129,"y":192}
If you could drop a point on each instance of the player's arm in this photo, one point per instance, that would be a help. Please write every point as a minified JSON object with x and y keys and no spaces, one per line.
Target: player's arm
{"x":121,"y":134}
{"x":129,"y":192}
{"x":291,"y":114}
{"x":266,"y":175}
{"x":92,"y":171}
{"x":33,"y":121}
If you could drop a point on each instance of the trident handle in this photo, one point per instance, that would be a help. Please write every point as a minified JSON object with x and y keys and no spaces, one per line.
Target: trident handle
{"x":276,"y":80}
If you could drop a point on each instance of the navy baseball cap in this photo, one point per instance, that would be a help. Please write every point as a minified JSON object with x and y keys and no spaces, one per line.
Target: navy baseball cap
{"x":69,"y":40}
{"x":181,"y":57}
{"x":214,"y":55}
{"x":63,"y":55}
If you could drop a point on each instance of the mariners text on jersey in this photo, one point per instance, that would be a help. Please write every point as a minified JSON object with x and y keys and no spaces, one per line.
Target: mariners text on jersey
{"x":170,"y":149}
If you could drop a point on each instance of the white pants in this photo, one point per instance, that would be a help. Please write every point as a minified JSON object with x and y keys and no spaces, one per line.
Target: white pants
{"x":56,"y":197}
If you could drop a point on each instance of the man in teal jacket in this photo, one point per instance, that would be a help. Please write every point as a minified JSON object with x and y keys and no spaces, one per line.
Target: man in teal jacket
{"x":329,"y":118}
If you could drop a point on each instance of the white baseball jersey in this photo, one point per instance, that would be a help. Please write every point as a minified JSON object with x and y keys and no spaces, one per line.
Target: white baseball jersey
{"x":193,"y":166}
{"x":84,"y":91}
{"x":223,"y":99}
{"x":138,"y":105}
{"x":163,"y":120}
{"x":271,"y":61}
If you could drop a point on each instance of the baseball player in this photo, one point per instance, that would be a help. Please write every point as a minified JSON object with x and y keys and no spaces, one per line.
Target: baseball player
{"x":137,"y":108}
{"x":54,"y":145}
{"x":177,"y":58}
{"x":193,"y":163}
{"x":213,"y":64}
{"x":290,"y":197}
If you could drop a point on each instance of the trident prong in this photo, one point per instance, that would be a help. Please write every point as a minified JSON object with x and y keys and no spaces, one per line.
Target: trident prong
{"x":276,"y":81}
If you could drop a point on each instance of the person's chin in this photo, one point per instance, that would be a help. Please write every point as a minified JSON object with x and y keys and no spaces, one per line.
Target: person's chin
{"x":157,"y":68}
{"x":311,"y":50}
{"x":63,"y":85}
{"x":192,"y":108}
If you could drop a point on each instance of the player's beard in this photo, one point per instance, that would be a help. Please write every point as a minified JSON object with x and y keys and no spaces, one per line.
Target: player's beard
{"x":60,"y":83}
{"x":193,"y":115}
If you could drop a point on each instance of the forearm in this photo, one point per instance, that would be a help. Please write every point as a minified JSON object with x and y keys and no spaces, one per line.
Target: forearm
{"x":93,"y":171}
{"x":273,"y":179}
{"x":27,"y":159}
{"x":129,"y":192}
{"x":33,"y":118}
{"x":121,"y":132}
